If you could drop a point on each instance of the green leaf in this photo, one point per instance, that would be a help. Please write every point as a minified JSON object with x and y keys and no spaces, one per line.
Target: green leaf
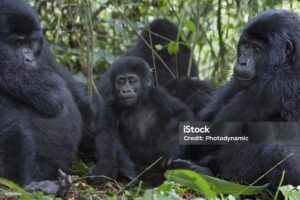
{"x":41,"y":196}
{"x":226,"y":187}
{"x":158,"y":47}
{"x":173,"y":48}
{"x":192,"y":180}
{"x":143,"y":9}
{"x":211,"y":186}
{"x":290,"y":193}
{"x":183,"y":37}
{"x":190,"y":26}
{"x":23,"y":194}
{"x":167,"y":191}
{"x":230,"y":197}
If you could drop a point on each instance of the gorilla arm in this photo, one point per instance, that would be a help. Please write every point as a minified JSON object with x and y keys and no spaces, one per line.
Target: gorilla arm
{"x":41,"y":90}
{"x":167,"y":105}
{"x":219,"y":99}
{"x":112,"y":158}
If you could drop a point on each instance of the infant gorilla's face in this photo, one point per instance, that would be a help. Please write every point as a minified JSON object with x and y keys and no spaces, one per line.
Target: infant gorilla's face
{"x":127,"y":87}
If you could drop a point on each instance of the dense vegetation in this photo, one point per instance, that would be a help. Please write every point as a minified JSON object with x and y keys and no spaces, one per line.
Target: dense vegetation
{"x":88,"y":35}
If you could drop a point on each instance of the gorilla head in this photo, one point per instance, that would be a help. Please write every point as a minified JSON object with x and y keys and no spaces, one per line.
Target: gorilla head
{"x":20,"y":33}
{"x":267,"y":44}
{"x":131,"y":79}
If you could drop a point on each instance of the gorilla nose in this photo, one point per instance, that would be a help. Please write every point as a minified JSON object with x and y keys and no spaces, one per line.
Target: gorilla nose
{"x":28,"y":55}
{"x":125,"y":91}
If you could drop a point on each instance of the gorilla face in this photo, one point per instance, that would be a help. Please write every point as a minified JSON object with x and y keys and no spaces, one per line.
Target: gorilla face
{"x":22,"y":41}
{"x":131,"y":80}
{"x":251,"y":55}
{"x":128,"y":87}
{"x":268,"y":44}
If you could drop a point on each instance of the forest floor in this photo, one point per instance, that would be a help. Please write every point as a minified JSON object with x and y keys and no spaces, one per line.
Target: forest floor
{"x":179,"y":184}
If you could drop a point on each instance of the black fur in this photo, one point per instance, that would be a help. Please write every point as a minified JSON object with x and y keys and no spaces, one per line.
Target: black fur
{"x":194,"y":92}
{"x":271,"y":95}
{"x":162,"y":32}
{"x":148,"y":128}
{"x":40,"y":124}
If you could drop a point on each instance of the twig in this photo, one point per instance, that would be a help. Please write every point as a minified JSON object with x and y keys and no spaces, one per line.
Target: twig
{"x":194,"y":41}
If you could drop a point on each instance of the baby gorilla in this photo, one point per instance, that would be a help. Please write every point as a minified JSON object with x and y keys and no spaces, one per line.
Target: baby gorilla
{"x":143,"y":118}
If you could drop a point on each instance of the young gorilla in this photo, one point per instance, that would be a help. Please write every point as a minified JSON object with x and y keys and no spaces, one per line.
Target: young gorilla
{"x":40,"y":124}
{"x":144,"y":118}
{"x":162,"y":31}
{"x":265,"y":87}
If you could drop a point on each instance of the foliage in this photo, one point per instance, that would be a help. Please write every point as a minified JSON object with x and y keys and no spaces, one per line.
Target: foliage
{"x":179,"y":184}
{"x":20,"y":192}
{"x":86,"y":34}
{"x":290,"y":193}
{"x":81,"y":168}
{"x":209,"y":186}
{"x":16,"y":191}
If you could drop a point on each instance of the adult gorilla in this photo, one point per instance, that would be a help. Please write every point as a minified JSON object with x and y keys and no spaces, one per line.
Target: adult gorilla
{"x":40,"y":124}
{"x":265,"y":87}
{"x":161,"y":32}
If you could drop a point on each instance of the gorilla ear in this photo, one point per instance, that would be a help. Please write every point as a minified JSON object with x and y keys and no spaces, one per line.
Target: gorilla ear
{"x":289,"y":47}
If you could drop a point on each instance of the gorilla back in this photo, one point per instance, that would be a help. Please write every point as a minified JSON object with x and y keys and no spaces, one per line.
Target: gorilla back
{"x":161,"y":32}
{"x":40,"y":125}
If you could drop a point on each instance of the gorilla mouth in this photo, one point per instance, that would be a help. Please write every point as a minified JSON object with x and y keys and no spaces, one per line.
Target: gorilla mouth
{"x":244,"y":74}
{"x":128,"y":97}
{"x":128,"y":100}
{"x":243,"y":78}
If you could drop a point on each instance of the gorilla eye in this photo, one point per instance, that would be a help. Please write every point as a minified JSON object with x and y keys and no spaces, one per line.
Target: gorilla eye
{"x":246,"y":45}
{"x":121,"y":81}
{"x":19,"y":42}
{"x":23,"y":42}
{"x":258,"y":49}
{"x":132,"y":80}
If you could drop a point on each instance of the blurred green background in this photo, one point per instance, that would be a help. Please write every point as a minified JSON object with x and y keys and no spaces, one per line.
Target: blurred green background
{"x":88,"y":35}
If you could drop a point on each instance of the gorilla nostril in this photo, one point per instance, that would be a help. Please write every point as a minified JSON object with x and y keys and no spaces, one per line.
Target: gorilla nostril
{"x":125,"y":91}
{"x":244,"y":64}
{"x":28,"y":61}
